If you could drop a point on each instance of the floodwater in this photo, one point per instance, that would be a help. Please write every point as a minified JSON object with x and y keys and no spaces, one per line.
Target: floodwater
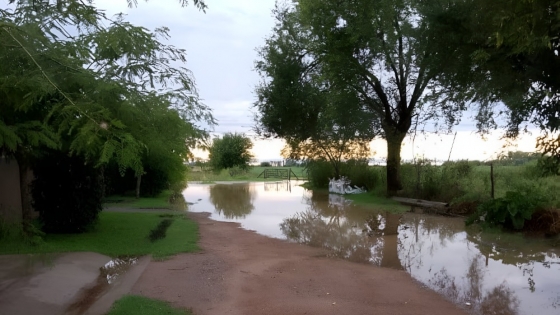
{"x":485,"y":273}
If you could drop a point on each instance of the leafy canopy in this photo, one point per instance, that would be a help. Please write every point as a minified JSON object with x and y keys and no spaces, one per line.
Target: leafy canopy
{"x":232,"y":150}
{"x":101,"y":88}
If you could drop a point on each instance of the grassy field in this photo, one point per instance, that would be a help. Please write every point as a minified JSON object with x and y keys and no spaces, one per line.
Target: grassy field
{"x":197,"y":175}
{"x":159,"y":202}
{"x":377,"y":202}
{"x":116,"y":234}
{"x":138,"y":305}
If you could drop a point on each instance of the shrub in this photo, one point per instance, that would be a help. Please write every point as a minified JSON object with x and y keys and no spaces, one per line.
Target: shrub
{"x":510,"y":211}
{"x":320,"y":171}
{"x":265,"y":164}
{"x":67,"y":193}
{"x":237,"y":170}
{"x":360,"y":174}
{"x":548,"y":166}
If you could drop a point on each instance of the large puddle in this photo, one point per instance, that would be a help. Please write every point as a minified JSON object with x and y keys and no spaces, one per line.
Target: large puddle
{"x":486,"y":273}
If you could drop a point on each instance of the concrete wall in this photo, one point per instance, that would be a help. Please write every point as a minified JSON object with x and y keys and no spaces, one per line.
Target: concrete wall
{"x":10,"y":197}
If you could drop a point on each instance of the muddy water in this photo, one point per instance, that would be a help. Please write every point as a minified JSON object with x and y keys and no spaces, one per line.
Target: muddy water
{"x":487,"y":273}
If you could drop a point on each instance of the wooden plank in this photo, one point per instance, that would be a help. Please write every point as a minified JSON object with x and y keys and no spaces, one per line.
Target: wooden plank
{"x":421,"y":203}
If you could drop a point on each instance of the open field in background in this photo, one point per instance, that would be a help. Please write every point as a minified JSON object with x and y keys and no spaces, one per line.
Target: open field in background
{"x":196,"y":174}
{"x":454,"y":182}
{"x":463,"y":182}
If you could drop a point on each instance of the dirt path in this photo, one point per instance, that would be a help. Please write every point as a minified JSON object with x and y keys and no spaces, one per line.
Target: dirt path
{"x":241,"y":272}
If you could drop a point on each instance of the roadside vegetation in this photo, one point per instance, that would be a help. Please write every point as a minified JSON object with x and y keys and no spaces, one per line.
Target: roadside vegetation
{"x":512,"y":192}
{"x":161,"y":201}
{"x":138,"y":305}
{"x":109,"y":110}
{"x":114,"y":234}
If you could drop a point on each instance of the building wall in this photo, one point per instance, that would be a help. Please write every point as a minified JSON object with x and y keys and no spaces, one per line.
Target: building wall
{"x":10,"y":197}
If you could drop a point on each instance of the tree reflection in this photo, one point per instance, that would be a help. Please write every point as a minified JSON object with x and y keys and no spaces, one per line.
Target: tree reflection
{"x":331,"y":222}
{"x":233,"y":201}
{"x":499,"y":300}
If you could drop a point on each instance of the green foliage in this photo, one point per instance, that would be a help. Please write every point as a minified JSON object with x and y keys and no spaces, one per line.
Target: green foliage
{"x":320,"y":171}
{"x":360,"y":174}
{"x":510,"y":211}
{"x":232,"y":150}
{"x":117,"y":234}
{"x":139,"y":305}
{"x":106,"y":90}
{"x":27,"y":232}
{"x":161,"y":201}
{"x":339,"y":71}
{"x":510,"y":54}
{"x":377,"y":202}
{"x":452,"y":181}
{"x":66,"y":193}
{"x":265,"y":164}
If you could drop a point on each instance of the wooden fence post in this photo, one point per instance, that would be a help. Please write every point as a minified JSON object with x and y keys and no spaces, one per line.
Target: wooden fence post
{"x":492,"y":180}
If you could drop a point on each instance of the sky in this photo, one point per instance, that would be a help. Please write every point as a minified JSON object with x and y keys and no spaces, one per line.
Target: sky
{"x":221,"y":49}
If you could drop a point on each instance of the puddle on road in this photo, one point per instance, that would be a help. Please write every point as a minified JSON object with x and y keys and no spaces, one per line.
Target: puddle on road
{"x":108,"y":275}
{"x":484,"y":273}
{"x":13,"y":267}
{"x":117,"y":267}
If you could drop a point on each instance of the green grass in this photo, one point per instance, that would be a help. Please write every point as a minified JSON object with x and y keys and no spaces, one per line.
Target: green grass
{"x":116,"y":234}
{"x":138,"y":305}
{"x":161,"y":201}
{"x":210,"y":177}
{"x":377,"y":202}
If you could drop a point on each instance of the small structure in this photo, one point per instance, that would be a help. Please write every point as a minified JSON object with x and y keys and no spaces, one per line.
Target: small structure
{"x":342,"y":186}
{"x":278,"y":173}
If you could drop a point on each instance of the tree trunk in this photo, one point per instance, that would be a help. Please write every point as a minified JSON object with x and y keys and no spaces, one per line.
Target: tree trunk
{"x":25,"y":189}
{"x":390,"y":255}
{"x":138,"y":182}
{"x":394,"y":142}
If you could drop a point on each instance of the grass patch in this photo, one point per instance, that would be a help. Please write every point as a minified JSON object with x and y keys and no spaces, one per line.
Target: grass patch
{"x":377,"y":202}
{"x":160,"y":230}
{"x":116,"y":234}
{"x":161,"y":201}
{"x":138,"y":305}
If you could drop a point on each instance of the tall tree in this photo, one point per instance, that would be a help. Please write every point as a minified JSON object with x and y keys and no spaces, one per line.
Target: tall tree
{"x":296,"y":101}
{"x":510,"y":56}
{"x":378,"y":51}
{"x":231,"y":150}
{"x":72,"y":79}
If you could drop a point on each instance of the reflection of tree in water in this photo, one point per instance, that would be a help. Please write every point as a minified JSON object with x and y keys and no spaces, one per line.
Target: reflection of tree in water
{"x":233,"y":201}
{"x":429,"y":234}
{"x":422,"y":237}
{"x":500,"y":300}
{"x":524,"y":255}
{"x":347,"y":231}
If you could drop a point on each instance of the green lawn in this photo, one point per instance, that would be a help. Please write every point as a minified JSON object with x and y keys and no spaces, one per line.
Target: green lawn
{"x":138,"y":305}
{"x":161,"y":201}
{"x":377,"y":202}
{"x":117,"y":234}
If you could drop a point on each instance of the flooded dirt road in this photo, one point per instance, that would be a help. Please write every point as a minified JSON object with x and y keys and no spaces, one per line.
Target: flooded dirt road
{"x":483,"y":273}
{"x":241,"y":272}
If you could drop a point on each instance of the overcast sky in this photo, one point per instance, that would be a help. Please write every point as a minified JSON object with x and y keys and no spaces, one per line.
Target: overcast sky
{"x":221,"y":49}
{"x":220,"y":46}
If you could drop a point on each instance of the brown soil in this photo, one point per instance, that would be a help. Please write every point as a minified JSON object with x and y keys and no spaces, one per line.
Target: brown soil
{"x":241,"y":272}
